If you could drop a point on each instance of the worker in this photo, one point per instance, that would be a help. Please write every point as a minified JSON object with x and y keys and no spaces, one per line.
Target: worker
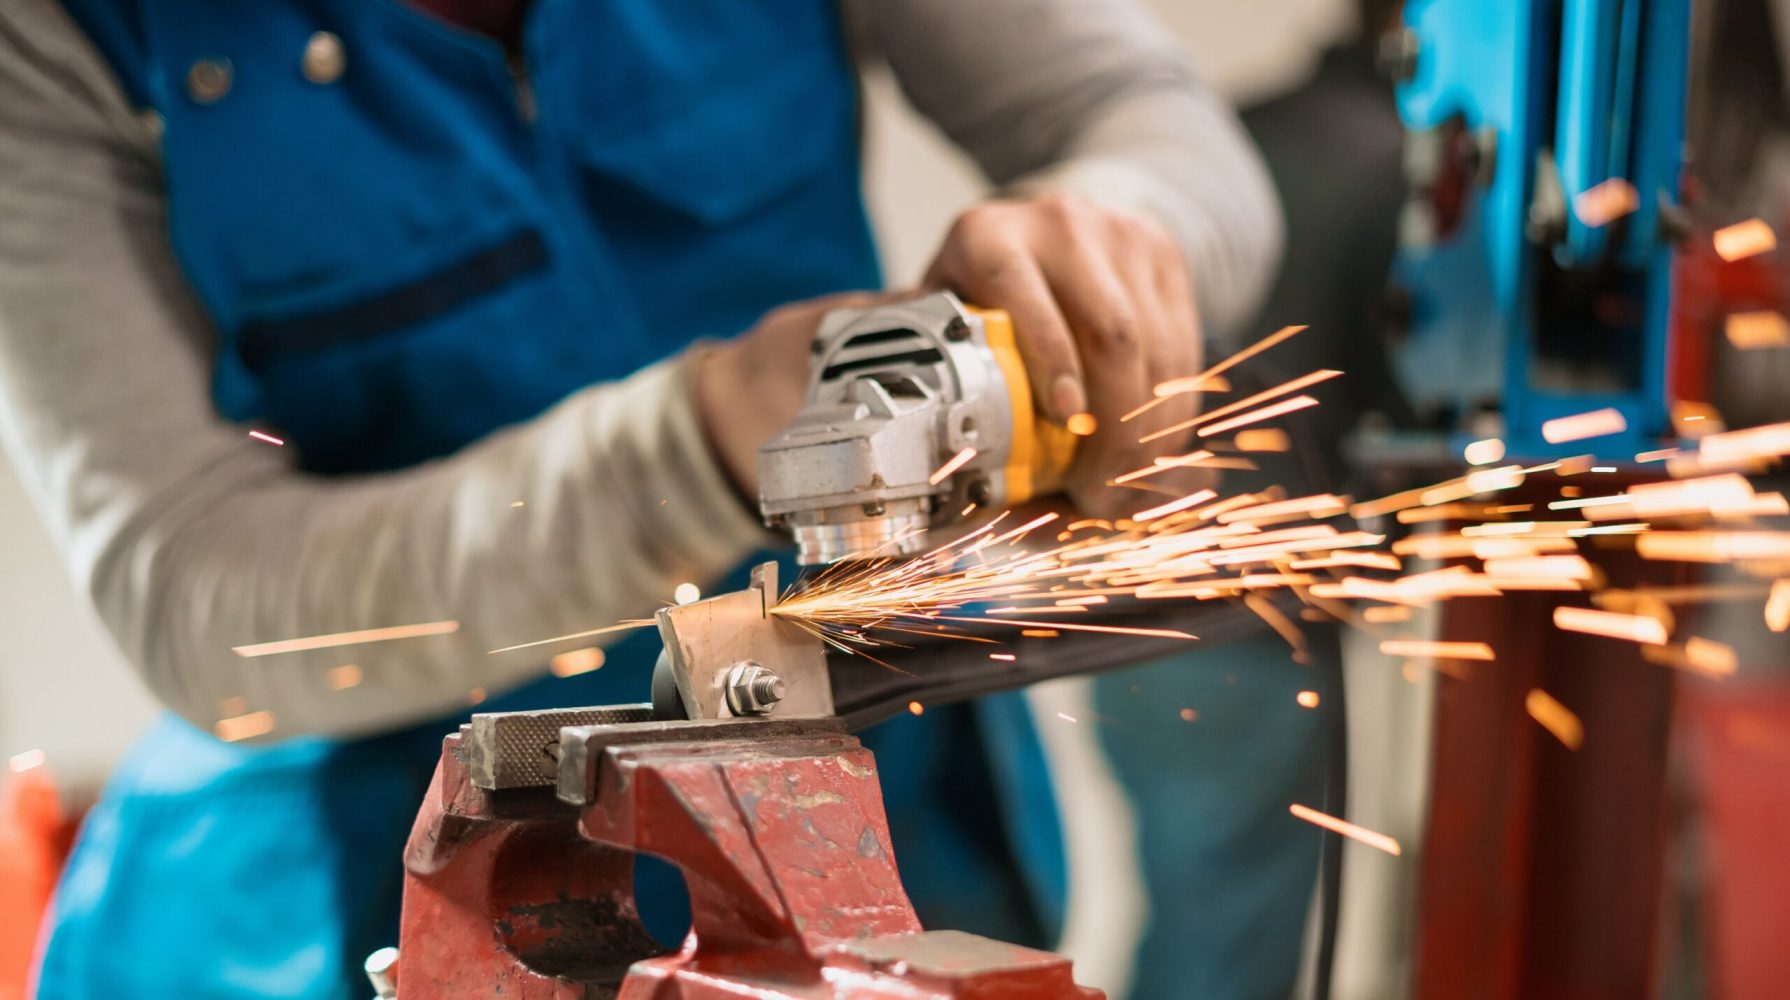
{"x":510,"y":294}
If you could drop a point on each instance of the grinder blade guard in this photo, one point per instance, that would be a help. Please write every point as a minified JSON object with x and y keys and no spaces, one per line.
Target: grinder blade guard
{"x":897,"y":390}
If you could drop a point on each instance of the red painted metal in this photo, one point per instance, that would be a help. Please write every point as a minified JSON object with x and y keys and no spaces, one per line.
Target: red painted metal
{"x":1706,"y":290}
{"x":1543,"y":867}
{"x":785,"y":850}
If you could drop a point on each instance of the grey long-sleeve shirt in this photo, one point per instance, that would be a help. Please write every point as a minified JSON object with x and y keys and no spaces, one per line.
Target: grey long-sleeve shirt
{"x":190,"y":539}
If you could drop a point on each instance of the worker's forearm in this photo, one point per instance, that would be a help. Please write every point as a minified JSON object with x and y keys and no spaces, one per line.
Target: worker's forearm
{"x":191,"y":538}
{"x":591,"y":514}
{"x":1094,"y":97}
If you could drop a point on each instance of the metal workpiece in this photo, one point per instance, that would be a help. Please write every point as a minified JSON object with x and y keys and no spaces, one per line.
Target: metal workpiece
{"x":709,"y":643}
{"x":896,"y":391}
{"x":937,"y":671}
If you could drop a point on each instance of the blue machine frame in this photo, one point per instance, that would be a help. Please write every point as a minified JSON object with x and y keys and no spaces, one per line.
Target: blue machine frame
{"x":1560,"y":96}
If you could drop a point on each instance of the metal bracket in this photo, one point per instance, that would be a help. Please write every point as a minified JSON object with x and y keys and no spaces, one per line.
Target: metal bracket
{"x":705,"y":639}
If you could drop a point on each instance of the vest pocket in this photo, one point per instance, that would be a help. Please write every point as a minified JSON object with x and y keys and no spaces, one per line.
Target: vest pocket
{"x":261,"y":341}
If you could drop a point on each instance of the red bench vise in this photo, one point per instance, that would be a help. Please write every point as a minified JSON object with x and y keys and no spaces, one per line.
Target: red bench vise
{"x":519,"y":870}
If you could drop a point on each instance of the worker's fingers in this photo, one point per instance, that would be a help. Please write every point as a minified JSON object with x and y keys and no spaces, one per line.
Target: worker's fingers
{"x":1171,"y":346}
{"x":1103,"y":309}
{"x":987,"y":260}
{"x":1183,"y":350}
{"x":1111,"y":321}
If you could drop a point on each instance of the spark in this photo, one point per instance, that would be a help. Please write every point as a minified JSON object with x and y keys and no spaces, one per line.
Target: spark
{"x":244,"y":727}
{"x":1713,"y":546}
{"x":1363,"y":560}
{"x":1361,"y":834}
{"x":1190,"y":500}
{"x":1604,"y":203}
{"x":1579,"y":426}
{"x":1609,"y":529}
{"x":1262,"y":439}
{"x":1437,"y":649}
{"x":1269,"y":412}
{"x":1241,"y":405}
{"x":1752,"y":331}
{"x":343,"y":677}
{"x":619,"y":627}
{"x":1483,"y":452}
{"x":1161,"y":633}
{"x":1571,"y":567}
{"x":573,"y":662}
{"x":1717,"y":659}
{"x":1692,"y":419}
{"x":1192,"y":383}
{"x":348,"y":638}
{"x":915,"y":708}
{"x":1307,"y":699}
{"x":1003,"y":657}
{"x":1163,"y":465}
{"x":1777,"y":606}
{"x":1555,"y":718}
{"x":1188,"y":715}
{"x":1743,"y":240}
{"x":1080,"y":425}
{"x":19,"y":763}
{"x":1738,"y":448}
{"x":951,"y":465}
{"x":269,"y":438}
{"x":686,"y":593}
{"x":1278,"y":621}
{"x":1319,"y":505}
{"x":1065,"y":717}
{"x":1213,"y":383}
{"x":1611,"y":624}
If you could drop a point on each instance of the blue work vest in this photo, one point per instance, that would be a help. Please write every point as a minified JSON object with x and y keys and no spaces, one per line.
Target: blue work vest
{"x":406,"y":240}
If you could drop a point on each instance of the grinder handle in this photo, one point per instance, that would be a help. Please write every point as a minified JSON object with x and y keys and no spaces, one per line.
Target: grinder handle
{"x":1042,"y":449}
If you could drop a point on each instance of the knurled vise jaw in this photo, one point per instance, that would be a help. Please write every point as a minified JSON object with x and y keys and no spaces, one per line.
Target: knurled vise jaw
{"x":896,"y":391}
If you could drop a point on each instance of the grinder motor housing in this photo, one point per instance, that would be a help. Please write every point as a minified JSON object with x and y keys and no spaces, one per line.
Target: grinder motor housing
{"x":897,"y":391}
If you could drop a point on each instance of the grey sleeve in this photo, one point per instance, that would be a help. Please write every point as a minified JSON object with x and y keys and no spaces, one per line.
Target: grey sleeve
{"x":190,"y":538}
{"x":1097,"y":98}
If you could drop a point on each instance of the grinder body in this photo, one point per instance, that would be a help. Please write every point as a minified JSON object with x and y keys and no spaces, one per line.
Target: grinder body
{"x":896,"y":391}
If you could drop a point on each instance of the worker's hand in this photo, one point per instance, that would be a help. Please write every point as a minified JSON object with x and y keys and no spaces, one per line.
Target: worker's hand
{"x":749,"y":389}
{"x":1103,"y":309}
